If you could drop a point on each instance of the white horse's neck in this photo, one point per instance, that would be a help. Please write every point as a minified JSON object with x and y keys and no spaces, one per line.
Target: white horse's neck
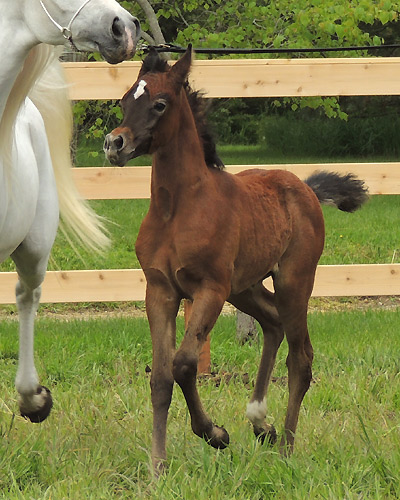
{"x":15,"y":45}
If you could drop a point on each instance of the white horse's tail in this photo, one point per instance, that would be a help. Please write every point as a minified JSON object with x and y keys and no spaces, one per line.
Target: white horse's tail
{"x":49,"y":94}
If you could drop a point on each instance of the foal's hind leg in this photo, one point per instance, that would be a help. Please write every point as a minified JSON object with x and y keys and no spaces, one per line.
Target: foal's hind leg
{"x":207,"y":305}
{"x":258,"y":302}
{"x":292,"y":291}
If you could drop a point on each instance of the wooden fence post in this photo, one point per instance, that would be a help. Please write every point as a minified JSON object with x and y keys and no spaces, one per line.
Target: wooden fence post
{"x":204,"y":364}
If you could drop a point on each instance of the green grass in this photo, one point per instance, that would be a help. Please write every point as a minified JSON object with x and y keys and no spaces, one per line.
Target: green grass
{"x":371,"y":235}
{"x":96,"y":443}
{"x":239,"y":154}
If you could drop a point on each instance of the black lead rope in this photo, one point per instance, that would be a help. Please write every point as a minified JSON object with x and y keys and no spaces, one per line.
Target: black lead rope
{"x":169,"y":47}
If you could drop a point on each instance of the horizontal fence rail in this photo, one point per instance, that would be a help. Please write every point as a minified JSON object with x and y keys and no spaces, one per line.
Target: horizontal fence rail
{"x":251,"y":77}
{"x":121,"y":183}
{"x":129,"y":284}
{"x":115,"y":285}
{"x":229,"y":78}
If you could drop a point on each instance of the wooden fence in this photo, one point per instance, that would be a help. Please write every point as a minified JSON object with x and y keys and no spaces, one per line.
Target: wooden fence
{"x":229,"y":78}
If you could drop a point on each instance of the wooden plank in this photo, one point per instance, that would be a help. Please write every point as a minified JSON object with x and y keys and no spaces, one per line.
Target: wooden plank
{"x":251,"y":77}
{"x":381,"y":178}
{"x":115,"y":285}
{"x":361,"y":279}
{"x":113,"y":183}
{"x":354,"y":279}
{"x":134,"y":182}
{"x":111,"y":285}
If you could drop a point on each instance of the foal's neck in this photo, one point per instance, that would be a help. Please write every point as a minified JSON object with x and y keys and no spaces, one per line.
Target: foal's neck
{"x":179,"y":164}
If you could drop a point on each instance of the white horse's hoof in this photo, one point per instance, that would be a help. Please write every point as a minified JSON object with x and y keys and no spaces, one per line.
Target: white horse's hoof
{"x":39,"y":406}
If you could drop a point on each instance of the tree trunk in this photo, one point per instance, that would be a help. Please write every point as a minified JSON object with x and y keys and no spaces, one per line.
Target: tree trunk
{"x":246,"y":328}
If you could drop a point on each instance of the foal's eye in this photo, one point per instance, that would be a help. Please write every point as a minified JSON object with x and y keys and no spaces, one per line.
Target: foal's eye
{"x":160,"y":106}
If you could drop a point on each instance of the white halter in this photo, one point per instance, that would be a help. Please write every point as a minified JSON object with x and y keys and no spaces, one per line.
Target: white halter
{"x":65,"y":31}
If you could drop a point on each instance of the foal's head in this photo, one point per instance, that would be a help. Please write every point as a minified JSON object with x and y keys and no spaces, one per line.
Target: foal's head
{"x":150,"y":112}
{"x":147,"y":106}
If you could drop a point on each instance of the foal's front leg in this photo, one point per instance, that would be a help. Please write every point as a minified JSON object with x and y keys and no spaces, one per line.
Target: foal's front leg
{"x":162,"y":306}
{"x":207,"y":305}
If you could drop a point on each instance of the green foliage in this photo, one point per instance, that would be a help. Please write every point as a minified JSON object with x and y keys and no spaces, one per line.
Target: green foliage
{"x":370,"y":125}
{"x":238,"y":23}
{"x":307,"y":132}
{"x":215,"y":23}
{"x":93,"y":120}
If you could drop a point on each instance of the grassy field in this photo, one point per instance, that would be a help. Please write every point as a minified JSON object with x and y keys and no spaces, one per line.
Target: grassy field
{"x":96,"y":443}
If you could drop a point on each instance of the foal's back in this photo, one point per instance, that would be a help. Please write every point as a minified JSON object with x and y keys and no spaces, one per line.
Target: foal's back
{"x":277,"y":215}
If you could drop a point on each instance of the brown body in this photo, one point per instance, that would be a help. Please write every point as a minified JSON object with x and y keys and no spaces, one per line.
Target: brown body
{"x":233,"y":230}
{"x":212,"y":237}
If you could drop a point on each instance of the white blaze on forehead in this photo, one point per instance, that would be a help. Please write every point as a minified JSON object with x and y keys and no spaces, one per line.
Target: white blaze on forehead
{"x":140,"y":89}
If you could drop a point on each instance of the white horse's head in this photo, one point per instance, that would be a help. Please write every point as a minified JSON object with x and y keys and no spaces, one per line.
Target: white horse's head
{"x":88,"y":25}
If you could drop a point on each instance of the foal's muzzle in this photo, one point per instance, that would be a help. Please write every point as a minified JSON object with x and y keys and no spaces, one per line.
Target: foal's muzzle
{"x":114,"y":149}
{"x":120,"y":146}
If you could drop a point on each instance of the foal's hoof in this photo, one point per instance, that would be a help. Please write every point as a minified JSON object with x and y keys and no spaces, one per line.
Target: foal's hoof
{"x":38,"y":407}
{"x":219,"y":438}
{"x":266,"y":434}
{"x":159,"y":468}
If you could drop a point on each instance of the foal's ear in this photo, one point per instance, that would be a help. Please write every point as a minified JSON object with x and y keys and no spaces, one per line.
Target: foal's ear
{"x":153,"y":63}
{"x":180,"y":70}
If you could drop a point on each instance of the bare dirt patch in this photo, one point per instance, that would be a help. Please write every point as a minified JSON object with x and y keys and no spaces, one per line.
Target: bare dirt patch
{"x":69,"y":312}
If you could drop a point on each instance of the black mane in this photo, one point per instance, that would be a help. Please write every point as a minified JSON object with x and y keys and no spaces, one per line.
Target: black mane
{"x":198,"y":104}
{"x":153,"y":63}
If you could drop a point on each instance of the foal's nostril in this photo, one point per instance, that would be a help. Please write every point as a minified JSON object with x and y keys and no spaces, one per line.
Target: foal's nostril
{"x":113,"y":144}
{"x":119,"y":142}
{"x":118,"y":28}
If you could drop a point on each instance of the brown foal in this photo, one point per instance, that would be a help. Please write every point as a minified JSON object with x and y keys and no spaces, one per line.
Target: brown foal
{"x":212,"y":237}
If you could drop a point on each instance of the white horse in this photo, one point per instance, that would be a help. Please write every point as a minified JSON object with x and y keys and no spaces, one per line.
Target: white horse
{"x":35,"y":165}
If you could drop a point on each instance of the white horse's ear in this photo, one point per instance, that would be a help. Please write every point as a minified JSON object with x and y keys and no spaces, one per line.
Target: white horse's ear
{"x":180,"y":70}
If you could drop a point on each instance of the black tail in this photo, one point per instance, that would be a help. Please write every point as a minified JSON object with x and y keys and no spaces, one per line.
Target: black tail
{"x":346,"y":192}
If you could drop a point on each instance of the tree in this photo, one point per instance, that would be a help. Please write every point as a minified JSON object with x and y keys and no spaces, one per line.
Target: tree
{"x":279,"y":24}
{"x":152,"y":23}
{"x":255,"y":23}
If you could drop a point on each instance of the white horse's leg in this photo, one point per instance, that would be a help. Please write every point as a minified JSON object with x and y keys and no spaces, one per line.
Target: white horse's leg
{"x":35,"y":401}
{"x":31,"y":258}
